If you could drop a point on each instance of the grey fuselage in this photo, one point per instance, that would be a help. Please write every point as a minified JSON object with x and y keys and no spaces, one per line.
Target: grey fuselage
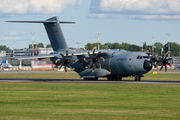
{"x":122,"y":63}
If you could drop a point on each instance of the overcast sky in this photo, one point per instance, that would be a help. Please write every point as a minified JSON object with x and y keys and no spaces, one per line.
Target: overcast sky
{"x":131,"y":21}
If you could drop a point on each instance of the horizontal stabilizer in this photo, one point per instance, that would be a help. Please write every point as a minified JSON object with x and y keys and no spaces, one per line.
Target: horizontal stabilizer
{"x":53,"y":21}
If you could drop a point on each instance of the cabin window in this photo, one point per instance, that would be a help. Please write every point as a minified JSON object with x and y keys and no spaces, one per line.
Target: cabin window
{"x":140,"y":57}
{"x":137,"y":57}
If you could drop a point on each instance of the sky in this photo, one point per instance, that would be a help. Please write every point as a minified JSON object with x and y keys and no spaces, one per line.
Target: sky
{"x":131,"y":21}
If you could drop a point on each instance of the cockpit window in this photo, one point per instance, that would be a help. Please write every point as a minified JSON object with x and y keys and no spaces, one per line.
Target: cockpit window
{"x":142,"y":57}
{"x":146,"y":57}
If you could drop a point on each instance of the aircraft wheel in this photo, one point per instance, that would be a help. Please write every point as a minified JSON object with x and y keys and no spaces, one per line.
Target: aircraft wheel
{"x":135,"y":78}
{"x":139,"y":78}
{"x":96,"y":78}
{"x":120,"y":78}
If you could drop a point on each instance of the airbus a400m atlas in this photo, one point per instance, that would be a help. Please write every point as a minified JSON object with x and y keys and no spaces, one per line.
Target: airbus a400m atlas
{"x":90,"y":65}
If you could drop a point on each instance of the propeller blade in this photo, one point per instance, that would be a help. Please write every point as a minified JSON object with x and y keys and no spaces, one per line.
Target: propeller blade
{"x":73,"y":61}
{"x":163,"y":54}
{"x":161,"y":67}
{"x":166,"y":55}
{"x":99,"y":65}
{"x":159,"y":63}
{"x":165,"y":68}
{"x":66,"y":53}
{"x":101,"y":58}
{"x":65,"y":68}
{"x":98,"y":53}
{"x":69,"y":66}
{"x":62,"y":55}
{"x":155,"y":63}
{"x":88,"y":60}
{"x":169,"y":64}
{"x":94,"y":51}
{"x":94,"y":66}
{"x":71,"y":55}
{"x":170,"y":59}
{"x":90,"y":64}
{"x":162,"y":51}
{"x":84,"y":59}
{"x":89,"y":54}
{"x":59,"y":60}
{"x":60,"y":66}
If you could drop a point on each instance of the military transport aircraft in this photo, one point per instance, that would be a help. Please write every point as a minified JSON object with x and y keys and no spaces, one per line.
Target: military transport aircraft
{"x":90,"y":65}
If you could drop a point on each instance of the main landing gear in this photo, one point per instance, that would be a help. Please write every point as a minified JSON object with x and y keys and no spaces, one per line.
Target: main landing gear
{"x":114,"y":78}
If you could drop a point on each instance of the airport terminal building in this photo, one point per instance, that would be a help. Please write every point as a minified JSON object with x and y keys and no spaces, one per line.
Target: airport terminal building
{"x":8,"y":54}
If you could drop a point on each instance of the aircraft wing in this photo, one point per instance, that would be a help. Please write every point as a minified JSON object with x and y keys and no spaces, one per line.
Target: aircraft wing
{"x":79,"y":53}
{"x":34,"y":57}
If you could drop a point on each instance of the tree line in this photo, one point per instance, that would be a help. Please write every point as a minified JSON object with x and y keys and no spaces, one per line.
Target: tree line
{"x":3,"y":47}
{"x":39,"y":45}
{"x":174,"y":47}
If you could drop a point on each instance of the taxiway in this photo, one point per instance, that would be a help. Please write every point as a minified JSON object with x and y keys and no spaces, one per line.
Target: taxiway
{"x":82,"y":81}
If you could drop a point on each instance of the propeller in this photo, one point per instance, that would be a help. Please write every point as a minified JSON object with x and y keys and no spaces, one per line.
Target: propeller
{"x":164,"y":60}
{"x":66,"y":60}
{"x":94,"y":59}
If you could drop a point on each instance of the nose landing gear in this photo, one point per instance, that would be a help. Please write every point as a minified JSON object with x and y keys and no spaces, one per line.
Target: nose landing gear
{"x":138,"y":77}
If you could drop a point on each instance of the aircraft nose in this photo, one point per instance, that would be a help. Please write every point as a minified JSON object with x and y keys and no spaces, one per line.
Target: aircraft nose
{"x":147,"y":65}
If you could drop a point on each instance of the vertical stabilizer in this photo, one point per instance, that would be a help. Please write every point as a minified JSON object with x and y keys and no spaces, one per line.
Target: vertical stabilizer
{"x":55,"y":34}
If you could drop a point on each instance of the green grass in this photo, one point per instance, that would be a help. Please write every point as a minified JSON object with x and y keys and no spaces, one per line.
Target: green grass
{"x":52,"y":101}
{"x":41,"y":75}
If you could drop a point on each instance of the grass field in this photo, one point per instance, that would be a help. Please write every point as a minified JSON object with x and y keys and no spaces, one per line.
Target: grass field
{"x":52,"y":101}
{"x":79,"y":101}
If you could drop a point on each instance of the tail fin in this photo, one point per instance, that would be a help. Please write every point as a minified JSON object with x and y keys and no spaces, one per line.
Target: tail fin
{"x":54,"y":32}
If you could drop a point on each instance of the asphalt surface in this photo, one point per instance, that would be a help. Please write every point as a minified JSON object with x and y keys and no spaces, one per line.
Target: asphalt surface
{"x":31,"y":71}
{"x":82,"y":81}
